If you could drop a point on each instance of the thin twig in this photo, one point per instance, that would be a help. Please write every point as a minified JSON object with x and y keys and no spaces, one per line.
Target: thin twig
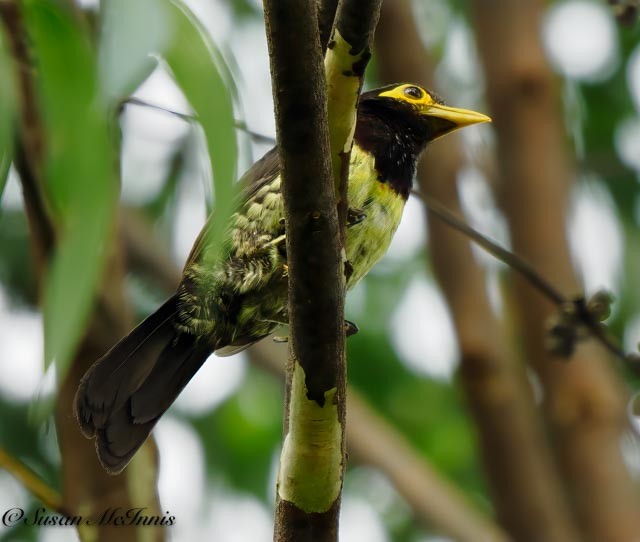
{"x":191,"y":118}
{"x":502,"y":254}
{"x":187,"y":117}
{"x":515,"y":262}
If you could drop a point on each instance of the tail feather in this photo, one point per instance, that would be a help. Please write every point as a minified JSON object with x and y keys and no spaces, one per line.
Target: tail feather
{"x":110,"y":380}
{"x":119,"y":439}
{"x":122,"y":396}
{"x":167,"y":375}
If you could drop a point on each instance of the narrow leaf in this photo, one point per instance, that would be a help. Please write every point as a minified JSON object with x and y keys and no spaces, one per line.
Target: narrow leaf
{"x":79,"y":178}
{"x":7,"y":104}
{"x":131,"y":33}
{"x":200,"y":72}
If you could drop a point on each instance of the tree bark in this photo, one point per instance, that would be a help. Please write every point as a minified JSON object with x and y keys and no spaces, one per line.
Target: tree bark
{"x":584,"y":401}
{"x":326,"y":15}
{"x":312,"y":460}
{"x":313,"y":136}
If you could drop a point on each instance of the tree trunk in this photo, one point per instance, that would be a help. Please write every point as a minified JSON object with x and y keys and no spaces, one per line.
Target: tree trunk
{"x":584,"y":401}
{"x":523,"y":481}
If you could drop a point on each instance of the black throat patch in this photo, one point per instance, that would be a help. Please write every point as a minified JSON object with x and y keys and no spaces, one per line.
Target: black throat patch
{"x":395,"y":135}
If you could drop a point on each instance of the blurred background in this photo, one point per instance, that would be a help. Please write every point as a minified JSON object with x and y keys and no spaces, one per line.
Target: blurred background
{"x":219,"y":445}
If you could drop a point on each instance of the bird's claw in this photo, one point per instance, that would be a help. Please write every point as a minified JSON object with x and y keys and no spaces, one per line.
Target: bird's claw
{"x":355,"y":216}
{"x":350,"y":328}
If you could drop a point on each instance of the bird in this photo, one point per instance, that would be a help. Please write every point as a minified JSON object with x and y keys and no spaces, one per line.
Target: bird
{"x":226,"y":303}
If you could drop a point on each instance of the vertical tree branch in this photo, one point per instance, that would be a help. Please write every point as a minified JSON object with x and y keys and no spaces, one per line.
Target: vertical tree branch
{"x":312,"y":461}
{"x":373,"y":441}
{"x":87,"y":489}
{"x":523,"y":481}
{"x":584,"y":401}
{"x":347,"y":56}
{"x":326,"y":15}
{"x":313,"y":457}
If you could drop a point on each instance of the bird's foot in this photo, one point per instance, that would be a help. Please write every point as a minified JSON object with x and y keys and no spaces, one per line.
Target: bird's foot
{"x":348,"y":270}
{"x":350,"y":328}
{"x":355,"y":216}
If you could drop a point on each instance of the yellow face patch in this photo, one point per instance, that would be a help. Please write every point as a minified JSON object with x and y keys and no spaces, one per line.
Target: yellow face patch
{"x":409,"y":93}
{"x":427,"y":106}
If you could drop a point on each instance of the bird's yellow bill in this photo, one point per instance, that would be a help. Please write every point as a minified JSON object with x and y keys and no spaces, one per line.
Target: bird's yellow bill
{"x":459,"y":117}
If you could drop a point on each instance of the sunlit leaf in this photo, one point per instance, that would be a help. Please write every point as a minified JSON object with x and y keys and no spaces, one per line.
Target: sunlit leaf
{"x":78,"y":174}
{"x":203,"y":78}
{"x":131,"y":33}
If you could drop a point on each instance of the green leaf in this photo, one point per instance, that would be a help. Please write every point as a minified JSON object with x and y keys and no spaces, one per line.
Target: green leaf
{"x":242,"y":435}
{"x":125,"y":53}
{"x":5,"y":166}
{"x":79,"y":174}
{"x":204,"y":79}
{"x":7,"y":104}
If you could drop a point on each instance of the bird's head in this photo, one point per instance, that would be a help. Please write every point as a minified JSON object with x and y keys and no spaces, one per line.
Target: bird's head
{"x":418,"y":109}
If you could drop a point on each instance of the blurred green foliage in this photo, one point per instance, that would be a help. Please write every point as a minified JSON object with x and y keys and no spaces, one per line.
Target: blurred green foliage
{"x":200,"y":72}
{"x":78,"y":174}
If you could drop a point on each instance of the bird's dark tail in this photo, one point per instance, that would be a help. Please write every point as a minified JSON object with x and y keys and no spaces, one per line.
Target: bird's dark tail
{"x":124,"y":393}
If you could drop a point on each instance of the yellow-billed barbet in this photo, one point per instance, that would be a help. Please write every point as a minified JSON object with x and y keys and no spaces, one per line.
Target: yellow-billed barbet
{"x":226,"y":305}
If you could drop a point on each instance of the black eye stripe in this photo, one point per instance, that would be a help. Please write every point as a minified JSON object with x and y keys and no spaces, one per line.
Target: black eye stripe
{"x":413,"y":92}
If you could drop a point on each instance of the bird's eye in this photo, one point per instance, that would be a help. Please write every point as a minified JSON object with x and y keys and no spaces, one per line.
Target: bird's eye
{"x":413,"y":92}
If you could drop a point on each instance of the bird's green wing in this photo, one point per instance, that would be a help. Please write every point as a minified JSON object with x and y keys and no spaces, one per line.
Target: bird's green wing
{"x":260,"y":173}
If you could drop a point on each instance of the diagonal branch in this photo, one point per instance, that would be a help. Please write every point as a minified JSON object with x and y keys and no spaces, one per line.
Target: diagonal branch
{"x":32,"y":482}
{"x":577,"y":307}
